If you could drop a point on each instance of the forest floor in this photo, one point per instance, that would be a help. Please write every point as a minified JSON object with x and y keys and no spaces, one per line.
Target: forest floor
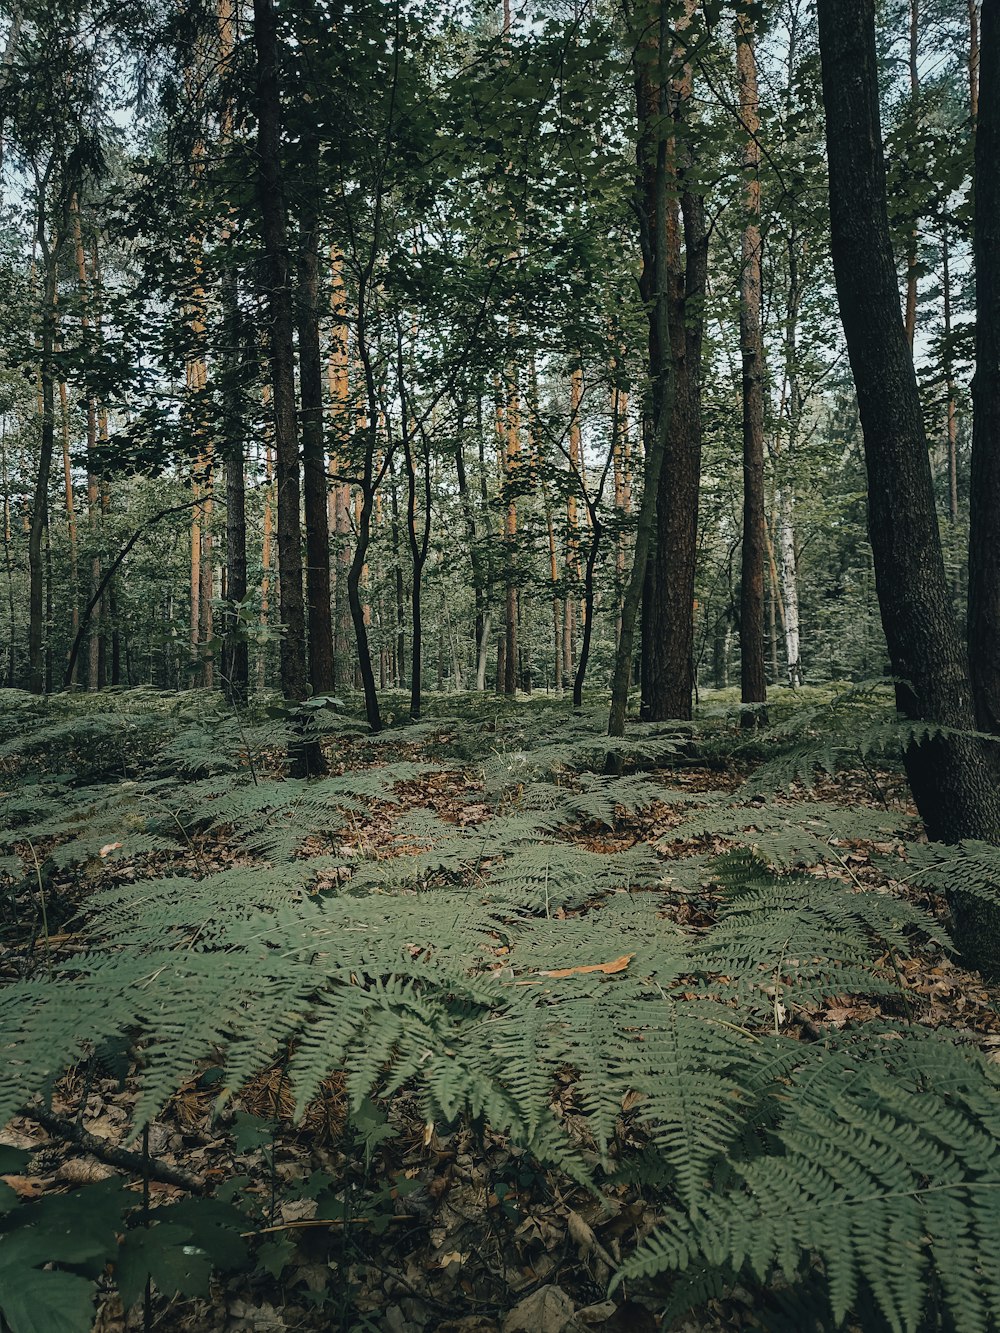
{"x":379,"y":1219}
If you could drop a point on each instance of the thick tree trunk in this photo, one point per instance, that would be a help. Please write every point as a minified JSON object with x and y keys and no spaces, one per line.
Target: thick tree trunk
{"x":668,"y":601}
{"x":321,"y":662}
{"x":306,"y":757}
{"x":950,"y":775}
{"x":984,"y":530}
{"x":753,"y":679}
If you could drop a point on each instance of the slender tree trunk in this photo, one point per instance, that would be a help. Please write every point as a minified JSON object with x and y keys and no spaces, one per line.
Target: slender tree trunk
{"x":38,"y":530}
{"x":653,"y":199}
{"x":267,"y":556}
{"x":419,"y":540}
{"x":753,"y":681}
{"x":471,"y":534}
{"x":321,"y":660}
{"x":949,"y":376}
{"x":74,"y":564}
{"x":951,"y":775}
{"x":235,"y":653}
{"x":974,"y":60}
{"x":11,"y":672}
{"x":304,"y":758}
{"x":512,"y":456}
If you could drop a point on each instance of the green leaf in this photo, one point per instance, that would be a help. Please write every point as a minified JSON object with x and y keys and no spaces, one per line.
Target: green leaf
{"x":37,"y":1302}
{"x":165,"y":1254}
{"x":275,"y":1255}
{"x":214,"y":1227}
{"x":13,"y":1160}
{"x":250,"y":1131}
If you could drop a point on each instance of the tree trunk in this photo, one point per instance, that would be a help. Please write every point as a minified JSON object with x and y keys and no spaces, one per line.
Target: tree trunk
{"x":38,"y":530}
{"x":303,"y":758}
{"x":950,"y":775}
{"x":321,"y":661}
{"x":910,"y":316}
{"x":984,"y":517}
{"x":653,"y":200}
{"x":235,"y":653}
{"x":667,"y":661}
{"x":753,"y":680}
{"x":511,"y":460}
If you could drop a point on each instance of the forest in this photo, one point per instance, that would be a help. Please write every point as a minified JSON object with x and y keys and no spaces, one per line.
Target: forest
{"x":500,"y":677}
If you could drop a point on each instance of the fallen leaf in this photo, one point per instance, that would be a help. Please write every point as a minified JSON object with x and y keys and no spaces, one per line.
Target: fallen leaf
{"x":616,"y":965}
{"x":109,"y":847}
{"x":26,"y":1187}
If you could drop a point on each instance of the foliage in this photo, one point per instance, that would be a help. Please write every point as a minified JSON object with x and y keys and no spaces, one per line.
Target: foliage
{"x":861,"y":1166}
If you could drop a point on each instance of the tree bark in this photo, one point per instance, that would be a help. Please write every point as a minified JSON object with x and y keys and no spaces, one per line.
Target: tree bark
{"x":984,"y":517}
{"x":950,"y":775}
{"x":654,"y":285}
{"x":38,"y":528}
{"x":302,"y":757}
{"x":667,"y":659}
{"x":235,"y":652}
{"x":753,"y":679}
{"x":318,"y":594}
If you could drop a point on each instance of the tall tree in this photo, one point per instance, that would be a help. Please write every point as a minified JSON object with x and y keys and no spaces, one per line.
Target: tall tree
{"x":281,"y":323}
{"x":753,"y":679}
{"x":950,"y":773}
{"x":651,"y":55}
{"x":667,"y":659}
{"x":318,"y":592}
{"x":984,"y":517}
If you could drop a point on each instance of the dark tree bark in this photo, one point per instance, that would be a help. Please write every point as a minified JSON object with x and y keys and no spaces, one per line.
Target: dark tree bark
{"x":950,"y":775}
{"x":281,"y":324}
{"x":418,"y":534}
{"x":38,"y":529}
{"x":235,"y":650}
{"x":318,"y":593}
{"x":753,"y":676}
{"x":668,"y":597}
{"x":649,"y":57}
{"x":984,"y":531}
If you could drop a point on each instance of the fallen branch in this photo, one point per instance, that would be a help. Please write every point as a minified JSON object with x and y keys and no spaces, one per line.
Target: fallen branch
{"x":149,"y":1168}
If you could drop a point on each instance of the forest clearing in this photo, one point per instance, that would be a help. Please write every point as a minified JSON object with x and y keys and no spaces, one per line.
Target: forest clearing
{"x":500,"y":680}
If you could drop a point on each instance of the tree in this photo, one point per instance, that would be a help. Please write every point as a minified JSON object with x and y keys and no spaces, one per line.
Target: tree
{"x":984,"y":535}
{"x":282,"y":358}
{"x":651,"y":52}
{"x":949,"y":772}
{"x":668,"y":596}
{"x":753,"y":681}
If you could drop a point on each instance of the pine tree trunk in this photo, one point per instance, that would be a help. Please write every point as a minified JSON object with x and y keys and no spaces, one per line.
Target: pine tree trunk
{"x":235,"y":653}
{"x":753,"y":680}
{"x":303,"y":758}
{"x":950,"y":775}
{"x":38,"y":530}
{"x":654,"y":284}
{"x":984,"y":516}
{"x":321,"y":661}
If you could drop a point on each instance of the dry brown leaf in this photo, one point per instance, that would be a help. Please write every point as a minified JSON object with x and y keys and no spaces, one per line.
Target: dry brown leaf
{"x":26,"y":1187}
{"x":616,"y":965}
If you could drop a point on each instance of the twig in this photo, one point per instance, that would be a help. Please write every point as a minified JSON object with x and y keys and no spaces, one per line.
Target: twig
{"x":147,"y":1167}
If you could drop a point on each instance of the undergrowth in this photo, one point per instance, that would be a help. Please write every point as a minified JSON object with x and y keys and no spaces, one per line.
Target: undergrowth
{"x":231,"y":919}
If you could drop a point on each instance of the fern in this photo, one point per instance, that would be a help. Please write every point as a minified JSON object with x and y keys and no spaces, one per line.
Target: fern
{"x":868,"y":1162}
